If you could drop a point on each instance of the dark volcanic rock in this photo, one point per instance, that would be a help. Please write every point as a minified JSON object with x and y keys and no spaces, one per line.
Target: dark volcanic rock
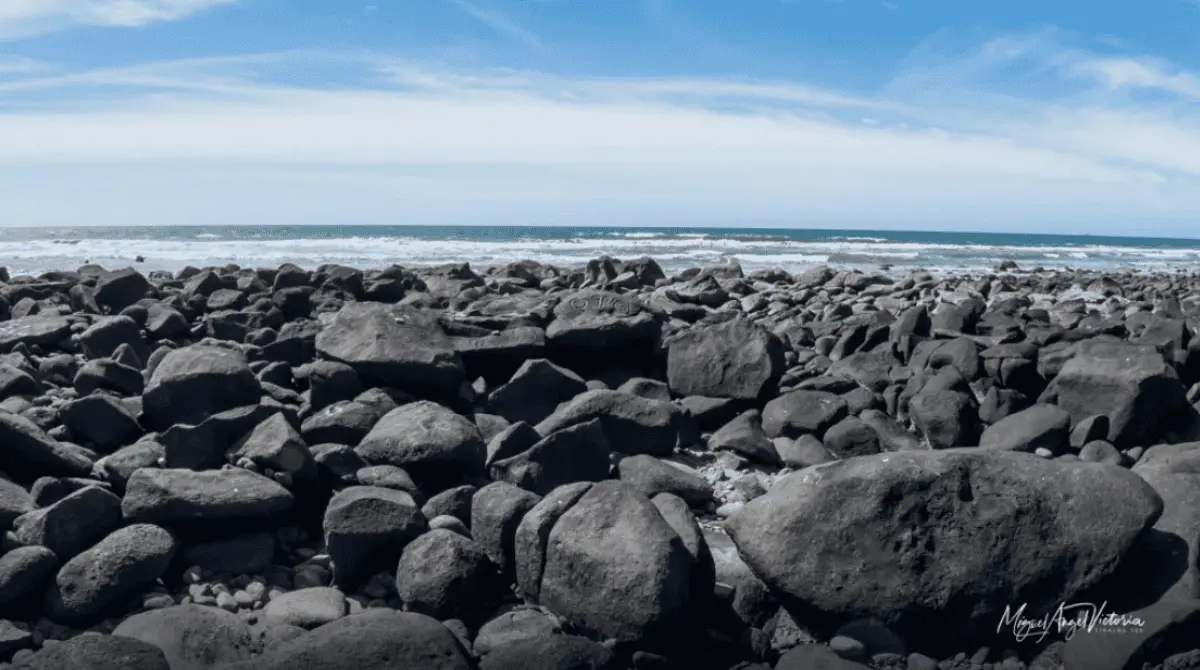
{"x":25,"y":572}
{"x":447,"y":576}
{"x":1131,"y":384}
{"x":366,"y":528}
{"x":632,"y":424}
{"x":30,"y":330}
{"x":30,"y":453}
{"x":610,"y":563}
{"x":94,"y":651}
{"x":595,"y":330}
{"x":734,"y":359}
{"x":193,"y":383}
{"x":73,"y":524}
{"x":745,"y":435}
{"x":173,"y":496}
{"x":652,"y":476}
{"x":393,"y":346}
{"x":936,"y":544}
{"x":535,"y":391}
{"x":122,"y":565}
{"x":577,"y":453}
{"x":1039,"y":427}
{"x":119,"y":289}
{"x":192,"y":637}
{"x":496,"y":511}
{"x":802,"y":413}
{"x":101,"y":420}
{"x":425,"y":438}
{"x":373,"y":640}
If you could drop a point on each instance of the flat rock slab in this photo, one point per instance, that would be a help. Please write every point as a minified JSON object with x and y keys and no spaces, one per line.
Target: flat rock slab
{"x":31,"y":330}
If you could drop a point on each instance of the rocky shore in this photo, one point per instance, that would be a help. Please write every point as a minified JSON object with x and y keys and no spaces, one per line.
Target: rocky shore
{"x":529,"y":467}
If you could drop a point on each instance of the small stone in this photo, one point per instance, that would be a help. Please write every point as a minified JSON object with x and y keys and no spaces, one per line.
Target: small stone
{"x":284,"y":479}
{"x":203,"y":599}
{"x":193,"y":575}
{"x":227,"y":602}
{"x":848,"y":648}
{"x":921,"y":662}
{"x":244,"y":599}
{"x":157,"y":601}
{"x":1042,"y":452}
{"x":729,"y":509}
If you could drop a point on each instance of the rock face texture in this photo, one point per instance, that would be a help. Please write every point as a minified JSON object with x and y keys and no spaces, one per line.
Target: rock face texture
{"x":949,"y":538}
{"x":609,"y":467}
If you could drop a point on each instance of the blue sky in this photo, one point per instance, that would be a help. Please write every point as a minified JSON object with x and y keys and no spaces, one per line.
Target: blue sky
{"x":1064,"y":116}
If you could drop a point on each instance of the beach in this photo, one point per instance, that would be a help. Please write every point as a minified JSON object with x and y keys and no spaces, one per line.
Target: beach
{"x":598,"y":449}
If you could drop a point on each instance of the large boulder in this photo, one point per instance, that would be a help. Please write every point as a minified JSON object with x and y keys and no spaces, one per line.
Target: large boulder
{"x":1132,"y":384}
{"x":533,"y":393}
{"x":577,"y":453}
{"x":936,"y":544}
{"x":734,"y":359}
{"x":597,"y":330}
{"x":378,"y":639}
{"x":93,"y":651}
{"x":192,"y":637}
{"x":425,"y":438}
{"x":632,"y":424}
{"x":193,"y":383}
{"x":31,"y":330}
{"x":1170,"y":554}
{"x":447,"y":576}
{"x":602,"y":556}
{"x":802,"y":412}
{"x":30,"y":453}
{"x":119,"y":289}
{"x":72,"y":524}
{"x":154,"y":495}
{"x":367,"y":527}
{"x":122,"y":565}
{"x":393,"y":346}
{"x":1039,"y":427}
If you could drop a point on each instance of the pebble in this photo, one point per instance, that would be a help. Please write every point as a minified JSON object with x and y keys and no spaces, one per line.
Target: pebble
{"x":848,"y":648}
{"x":227,"y":602}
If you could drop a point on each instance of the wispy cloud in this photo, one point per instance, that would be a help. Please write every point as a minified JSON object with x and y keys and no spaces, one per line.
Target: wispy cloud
{"x":21,"y":65}
{"x":446,"y":146}
{"x":502,"y":24}
{"x":23,"y":18}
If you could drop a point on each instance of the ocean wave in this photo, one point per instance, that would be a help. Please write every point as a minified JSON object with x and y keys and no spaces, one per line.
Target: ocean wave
{"x":674,"y":252}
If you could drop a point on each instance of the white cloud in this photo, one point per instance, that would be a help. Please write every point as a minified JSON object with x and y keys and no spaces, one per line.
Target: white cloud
{"x":502,"y":24}
{"x":21,"y":65}
{"x":1143,"y":73}
{"x":21,"y":18}
{"x":190,"y":143}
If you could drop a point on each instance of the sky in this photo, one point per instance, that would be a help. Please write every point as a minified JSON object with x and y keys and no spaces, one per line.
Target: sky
{"x":1014,"y":115}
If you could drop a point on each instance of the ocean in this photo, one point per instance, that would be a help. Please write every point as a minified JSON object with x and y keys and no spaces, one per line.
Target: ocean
{"x":33,"y":251}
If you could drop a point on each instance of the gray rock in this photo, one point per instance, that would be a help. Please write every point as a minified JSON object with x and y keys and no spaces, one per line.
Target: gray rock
{"x":802,"y":412}
{"x":191,"y":637}
{"x":93,"y":651}
{"x":172,"y":496}
{"x":425,"y":438}
{"x":937,"y":543}
{"x":120,"y":566}
{"x":579,"y":452}
{"x":193,"y":383}
{"x":307,"y":608}
{"x":735,"y":359}
{"x":73,"y":524}
{"x":1039,"y":427}
{"x":612,"y":564}
{"x":447,"y":576}
{"x":632,"y":425}
{"x":373,"y":640}
{"x":1131,"y":384}
{"x":390,"y":345}
{"x":366,"y":529}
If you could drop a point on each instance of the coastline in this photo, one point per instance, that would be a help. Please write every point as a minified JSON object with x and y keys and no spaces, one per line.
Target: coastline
{"x":753,"y":460}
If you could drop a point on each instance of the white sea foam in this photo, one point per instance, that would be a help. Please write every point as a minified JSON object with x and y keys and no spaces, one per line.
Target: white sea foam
{"x":674,"y":252}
